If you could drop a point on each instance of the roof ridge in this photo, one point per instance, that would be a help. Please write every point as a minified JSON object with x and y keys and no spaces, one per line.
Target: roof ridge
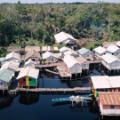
{"x":28,"y":71}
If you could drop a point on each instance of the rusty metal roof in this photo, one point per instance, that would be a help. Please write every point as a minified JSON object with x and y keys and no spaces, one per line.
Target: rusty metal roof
{"x":109,"y":98}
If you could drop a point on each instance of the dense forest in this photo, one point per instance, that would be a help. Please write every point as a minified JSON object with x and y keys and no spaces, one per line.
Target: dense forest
{"x":37,"y":23}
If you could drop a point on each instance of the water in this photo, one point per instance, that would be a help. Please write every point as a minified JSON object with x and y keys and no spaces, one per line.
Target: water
{"x":40,"y":107}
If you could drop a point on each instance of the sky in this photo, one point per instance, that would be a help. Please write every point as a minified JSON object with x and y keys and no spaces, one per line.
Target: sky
{"x":56,"y":1}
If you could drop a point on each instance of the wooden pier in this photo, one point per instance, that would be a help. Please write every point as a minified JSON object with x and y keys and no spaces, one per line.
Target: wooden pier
{"x":52,"y":90}
{"x":48,"y":65}
{"x":63,"y":71}
{"x":3,"y":88}
{"x":94,"y":62}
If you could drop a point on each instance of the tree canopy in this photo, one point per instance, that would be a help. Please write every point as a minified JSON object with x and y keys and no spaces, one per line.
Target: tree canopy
{"x":37,"y":23}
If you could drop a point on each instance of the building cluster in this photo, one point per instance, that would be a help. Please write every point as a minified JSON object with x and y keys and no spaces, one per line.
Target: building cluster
{"x":72,"y":62}
{"x":110,"y":58}
{"x":13,"y":71}
{"x":106,"y":87}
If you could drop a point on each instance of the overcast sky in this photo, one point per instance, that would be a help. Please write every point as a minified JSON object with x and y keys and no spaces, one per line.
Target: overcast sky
{"x":56,"y":1}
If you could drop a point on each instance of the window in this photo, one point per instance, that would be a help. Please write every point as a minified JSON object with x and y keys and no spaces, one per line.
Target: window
{"x":33,"y":59}
{"x":112,"y":107}
{"x":1,"y":83}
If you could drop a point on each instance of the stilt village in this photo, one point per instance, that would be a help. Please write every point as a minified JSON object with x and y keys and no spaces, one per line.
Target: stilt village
{"x":101,"y":67}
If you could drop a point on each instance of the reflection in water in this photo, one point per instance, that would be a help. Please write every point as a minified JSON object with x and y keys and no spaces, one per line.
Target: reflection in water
{"x":110,"y":118}
{"x":93,"y":107}
{"x":72,"y":84}
{"x":77,"y":108}
{"x":5,"y":101}
{"x":51,"y":82}
{"x":78,"y":83}
{"x":73,"y":108}
{"x":59,"y":111}
{"x":49,"y":75}
{"x":28,"y":98}
{"x":57,"y":104}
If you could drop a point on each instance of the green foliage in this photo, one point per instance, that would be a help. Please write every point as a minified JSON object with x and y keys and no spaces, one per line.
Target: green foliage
{"x":37,"y":23}
{"x":3,"y":52}
{"x":92,"y":45}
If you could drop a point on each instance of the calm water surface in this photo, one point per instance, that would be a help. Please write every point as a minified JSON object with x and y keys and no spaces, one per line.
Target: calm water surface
{"x":40,"y":107}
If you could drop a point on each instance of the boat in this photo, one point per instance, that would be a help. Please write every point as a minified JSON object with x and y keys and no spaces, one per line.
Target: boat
{"x":73,"y":99}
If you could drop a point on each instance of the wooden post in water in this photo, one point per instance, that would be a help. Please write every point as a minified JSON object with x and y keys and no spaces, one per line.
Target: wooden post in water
{"x":3,"y":91}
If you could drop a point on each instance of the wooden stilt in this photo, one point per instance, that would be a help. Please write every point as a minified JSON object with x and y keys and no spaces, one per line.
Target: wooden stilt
{"x":3,"y":92}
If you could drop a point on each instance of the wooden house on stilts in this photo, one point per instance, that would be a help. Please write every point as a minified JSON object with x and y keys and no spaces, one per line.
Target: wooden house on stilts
{"x":105,"y":84}
{"x":6,"y":78}
{"x":109,"y":104}
{"x":33,"y":56}
{"x":13,"y":57}
{"x":110,"y":64}
{"x":99,"y":51}
{"x":73,"y":65}
{"x":114,"y":50}
{"x":28,"y":77}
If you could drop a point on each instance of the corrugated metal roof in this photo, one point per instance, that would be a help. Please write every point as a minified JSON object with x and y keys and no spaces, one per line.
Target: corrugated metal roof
{"x":30,"y":63}
{"x":47,"y":54}
{"x":57,"y":55}
{"x":109,"y":58}
{"x":31,"y":72}
{"x":55,"y":48}
{"x":23,"y":72}
{"x":63,"y":37}
{"x":71,"y":52}
{"x":32,"y":48}
{"x":100,"y":50}
{"x":13,"y":55}
{"x":32,"y":54}
{"x":103,"y":82}
{"x":2,"y":59}
{"x":13,"y":65}
{"x":115,"y":81}
{"x":112,"y":48}
{"x":83,"y":51}
{"x":64,"y":49}
{"x":81,"y":59}
{"x":100,"y":82}
{"x":118,"y":43}
{"x":46,"y":48}
{"x":6,"y":75}
{"x":49,"y":48}
{"x":109,"y":98}
{"x":70,"y":61}
{"x":73,"y":65}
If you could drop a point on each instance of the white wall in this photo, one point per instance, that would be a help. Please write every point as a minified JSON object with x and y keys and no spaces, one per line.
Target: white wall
{"x":77,"y":68}
{"x":3,"y":84}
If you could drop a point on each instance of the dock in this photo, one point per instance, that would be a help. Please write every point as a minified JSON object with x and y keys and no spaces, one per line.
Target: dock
{"x":94,"y":62}
{"x":73,"y":99}
{"x":52,"y":90}
{"x":3,"y":89}
{"x":63,"y":70}
{"x":48,"y":65}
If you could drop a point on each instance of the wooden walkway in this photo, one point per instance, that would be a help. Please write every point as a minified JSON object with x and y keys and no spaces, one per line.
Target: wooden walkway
{"x":53,"y":72}
{"x":48,"y":65}
{"x":53,"y":90}
{"x":3,"y":88}
{"x":63,"y":70}
{"x":94,"y":62}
